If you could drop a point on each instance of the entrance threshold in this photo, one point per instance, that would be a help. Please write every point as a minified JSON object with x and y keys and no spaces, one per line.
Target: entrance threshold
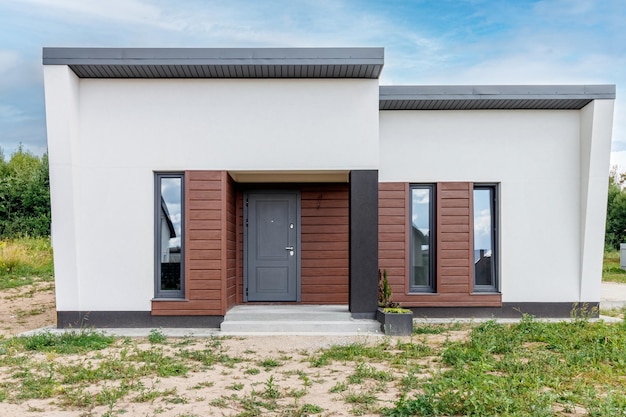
{"x":296,"y":319}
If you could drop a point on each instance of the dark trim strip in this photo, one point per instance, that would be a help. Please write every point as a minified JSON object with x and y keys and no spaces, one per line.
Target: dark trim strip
{"x":511,"y":310}
{"x":130,"y":319}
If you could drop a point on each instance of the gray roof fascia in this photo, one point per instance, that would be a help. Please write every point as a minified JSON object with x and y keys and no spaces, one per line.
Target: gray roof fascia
{"x":473,"y":97}
{"x":238,"y":59}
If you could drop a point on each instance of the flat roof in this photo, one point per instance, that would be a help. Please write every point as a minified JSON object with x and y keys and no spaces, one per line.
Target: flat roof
{"x":492,"y":97}
{"x":219,"y":62}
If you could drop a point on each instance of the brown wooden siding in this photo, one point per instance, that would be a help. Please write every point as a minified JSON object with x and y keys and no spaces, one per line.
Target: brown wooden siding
{"x":239,"y":254}
{"x":454,"y":260}
{"x":231,"y":243}
{"x":206,"y":246}
{"x":214,"y":245}
{"x":324,"y":241}
{"x":392,"y":240}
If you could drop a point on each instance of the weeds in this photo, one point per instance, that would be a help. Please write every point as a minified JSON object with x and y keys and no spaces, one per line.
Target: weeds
{"x":611,"y":269}
{"x":527,"y":368}
{"x":67,"y":342}
{"x":269,"y":363}
{"x":157,"y":337}
{"x":25,"y":261}
{"x":271,"y":391}
{"x":351,"y":352}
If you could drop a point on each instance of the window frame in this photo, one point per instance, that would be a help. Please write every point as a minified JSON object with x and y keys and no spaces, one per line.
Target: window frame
{"x":495,"y":239}
{"x":432,"y":250}
{"x":158,"y":292}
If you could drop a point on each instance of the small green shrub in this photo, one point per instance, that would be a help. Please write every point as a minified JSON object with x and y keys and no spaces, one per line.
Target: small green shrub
{"x":156,"y":337}
{"x":269,"y":363}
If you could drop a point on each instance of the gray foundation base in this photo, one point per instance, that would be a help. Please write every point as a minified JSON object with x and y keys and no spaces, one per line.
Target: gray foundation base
{"x":128,"y":319}
{"x":512,"y":310}
{"x":143,"y":319}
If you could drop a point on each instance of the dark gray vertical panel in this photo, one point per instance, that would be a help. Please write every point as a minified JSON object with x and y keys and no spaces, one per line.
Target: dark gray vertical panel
{"x":363,"y":243}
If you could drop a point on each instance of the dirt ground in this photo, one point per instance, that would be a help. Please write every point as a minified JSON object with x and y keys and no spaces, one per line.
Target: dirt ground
{"x":219,"y":390}
{"x":26,"y":308}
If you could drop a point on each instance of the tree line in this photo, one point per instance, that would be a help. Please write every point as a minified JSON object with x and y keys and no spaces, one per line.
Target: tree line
{"x":24,"y":195}
{"x":616,"y":211}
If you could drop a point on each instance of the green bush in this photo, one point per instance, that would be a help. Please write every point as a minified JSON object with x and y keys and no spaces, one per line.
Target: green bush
{"x":24,"y":195}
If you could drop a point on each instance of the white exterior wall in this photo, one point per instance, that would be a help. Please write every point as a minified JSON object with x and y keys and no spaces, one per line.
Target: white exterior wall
{"x":537,"y":157}
{"x":596,"y":125}
{"x":104,"y":152}
{"x":62,"y":114}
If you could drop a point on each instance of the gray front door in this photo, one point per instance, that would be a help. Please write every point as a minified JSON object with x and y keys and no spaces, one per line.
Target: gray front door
{"x":271,"y":246}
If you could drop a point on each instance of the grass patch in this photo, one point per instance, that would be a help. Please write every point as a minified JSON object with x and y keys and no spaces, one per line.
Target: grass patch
{"x":529,"y":368}
{"x":25,"y":261}
{"x":611,"y":270}
{"x":79,"y":341}
{"x":613,"y":312}
{"x":428,"y":328}
{"x":351,"y":352}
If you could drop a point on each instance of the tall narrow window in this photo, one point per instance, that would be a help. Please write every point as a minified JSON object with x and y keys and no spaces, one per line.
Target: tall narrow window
{"x":422,"y":238}
{"x":485,"y":242}
{"x":169,"y":235}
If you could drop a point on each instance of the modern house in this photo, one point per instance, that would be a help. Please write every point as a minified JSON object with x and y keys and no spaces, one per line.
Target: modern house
{"x":189,"y":181}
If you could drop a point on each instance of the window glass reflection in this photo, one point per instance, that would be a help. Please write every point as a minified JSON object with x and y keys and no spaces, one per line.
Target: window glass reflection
{"x":171,"y":232}
{"x":484,"y":261}
{"x":421,"y":222}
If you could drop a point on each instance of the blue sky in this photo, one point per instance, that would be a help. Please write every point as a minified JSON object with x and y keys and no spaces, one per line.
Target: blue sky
{"x":426,"y":42}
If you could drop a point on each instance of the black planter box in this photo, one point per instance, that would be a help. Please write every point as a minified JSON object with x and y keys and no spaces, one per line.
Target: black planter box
{"x":395,"y":324}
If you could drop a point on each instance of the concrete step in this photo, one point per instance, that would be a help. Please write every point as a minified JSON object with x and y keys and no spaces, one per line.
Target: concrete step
{"x":301,"y":319}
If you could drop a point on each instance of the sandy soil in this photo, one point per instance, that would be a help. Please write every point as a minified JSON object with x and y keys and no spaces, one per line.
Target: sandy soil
{"x":198,"y":393}
{"x":295,"y":379}
{"x":220,"y":389}
{"x":26,"y":308}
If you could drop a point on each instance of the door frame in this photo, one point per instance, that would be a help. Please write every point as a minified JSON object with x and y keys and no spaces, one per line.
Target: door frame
{"x":295,"y":192}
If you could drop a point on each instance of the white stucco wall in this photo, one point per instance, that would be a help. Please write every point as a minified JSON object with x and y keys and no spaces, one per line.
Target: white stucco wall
{"x":107,"y":137}
{"x":536,"y":157}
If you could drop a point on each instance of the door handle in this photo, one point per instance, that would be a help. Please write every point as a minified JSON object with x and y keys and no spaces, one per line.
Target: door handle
{"x":288,"y":247}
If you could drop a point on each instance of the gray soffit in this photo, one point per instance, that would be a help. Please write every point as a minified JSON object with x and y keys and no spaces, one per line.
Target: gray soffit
{"x":495,"y":97}
{"x":219,"y":62}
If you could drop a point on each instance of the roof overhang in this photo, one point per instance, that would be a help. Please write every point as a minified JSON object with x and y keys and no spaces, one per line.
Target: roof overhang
{"x":494,"y":97}
{"x":219,"y":62}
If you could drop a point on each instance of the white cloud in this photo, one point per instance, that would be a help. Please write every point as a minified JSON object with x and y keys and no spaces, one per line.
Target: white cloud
{"x":482,"y":230}
{"x":421,"y":196}
{"x":9,"y":60}
{"x":11,"y":114}
{"x":129,"y":11}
